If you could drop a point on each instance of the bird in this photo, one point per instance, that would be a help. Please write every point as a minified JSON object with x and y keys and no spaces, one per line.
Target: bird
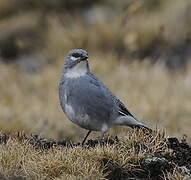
{"x":87,"y":102}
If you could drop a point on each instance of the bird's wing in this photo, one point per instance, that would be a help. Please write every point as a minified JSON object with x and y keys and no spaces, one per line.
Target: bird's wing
{"x":123,"y":110}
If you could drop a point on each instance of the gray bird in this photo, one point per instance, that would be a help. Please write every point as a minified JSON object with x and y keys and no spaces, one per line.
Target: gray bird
{"x":86,"y":101}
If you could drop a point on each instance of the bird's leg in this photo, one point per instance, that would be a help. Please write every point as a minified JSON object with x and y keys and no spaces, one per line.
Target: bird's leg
{"x":103,"y":139}
{"x":103,"y":135}
{"x":86,"y":137}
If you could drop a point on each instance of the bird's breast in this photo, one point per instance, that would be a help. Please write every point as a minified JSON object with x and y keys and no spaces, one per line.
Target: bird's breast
{"x":69,"y":112}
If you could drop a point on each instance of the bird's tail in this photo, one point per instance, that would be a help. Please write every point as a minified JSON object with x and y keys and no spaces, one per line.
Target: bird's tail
{"x":132,"y":122}
{"x":141,"y":125}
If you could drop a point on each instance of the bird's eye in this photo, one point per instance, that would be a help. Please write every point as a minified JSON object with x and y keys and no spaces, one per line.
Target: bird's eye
{"x":76,"y":55}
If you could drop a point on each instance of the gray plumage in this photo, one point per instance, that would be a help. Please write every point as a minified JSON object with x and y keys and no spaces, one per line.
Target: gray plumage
{"x":86,"y":101}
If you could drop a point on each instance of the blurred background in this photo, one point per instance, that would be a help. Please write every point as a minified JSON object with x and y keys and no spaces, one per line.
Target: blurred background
{"x":141,"y":49}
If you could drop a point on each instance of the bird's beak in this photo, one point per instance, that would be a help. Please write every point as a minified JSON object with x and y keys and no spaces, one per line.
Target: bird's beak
{"x":84,"y":58}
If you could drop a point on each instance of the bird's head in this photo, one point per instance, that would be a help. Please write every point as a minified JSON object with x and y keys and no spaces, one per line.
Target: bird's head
{"x":76,"y":63}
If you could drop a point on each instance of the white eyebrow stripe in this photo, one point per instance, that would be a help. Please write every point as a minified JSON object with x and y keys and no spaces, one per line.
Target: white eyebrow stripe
{"x":74,"y":58}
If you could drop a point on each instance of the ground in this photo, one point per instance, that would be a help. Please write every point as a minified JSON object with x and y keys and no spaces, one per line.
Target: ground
{"x":137,"y":155}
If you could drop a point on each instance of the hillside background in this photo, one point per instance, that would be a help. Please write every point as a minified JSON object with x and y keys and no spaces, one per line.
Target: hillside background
{"x":140,"y":49}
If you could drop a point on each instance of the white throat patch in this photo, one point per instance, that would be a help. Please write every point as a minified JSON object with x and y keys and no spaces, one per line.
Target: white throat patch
{"x":78,"y":70}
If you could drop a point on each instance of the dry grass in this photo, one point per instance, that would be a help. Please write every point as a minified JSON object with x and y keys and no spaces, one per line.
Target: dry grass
{"x":19,"y":158}
{"x":138,"y":154}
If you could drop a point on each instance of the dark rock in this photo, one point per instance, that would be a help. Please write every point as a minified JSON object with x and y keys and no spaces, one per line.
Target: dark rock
{"x":3,"y":138}
{"x":156,"y":165}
